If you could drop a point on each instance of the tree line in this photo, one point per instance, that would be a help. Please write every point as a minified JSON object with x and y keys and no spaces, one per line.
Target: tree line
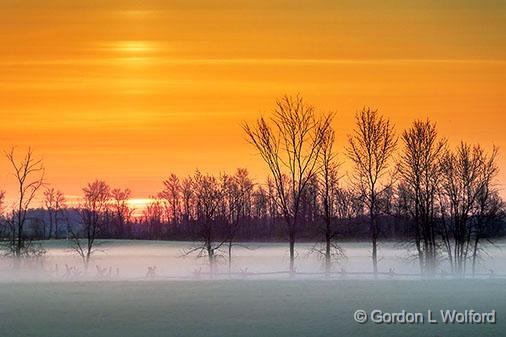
{"x":442,"y":201}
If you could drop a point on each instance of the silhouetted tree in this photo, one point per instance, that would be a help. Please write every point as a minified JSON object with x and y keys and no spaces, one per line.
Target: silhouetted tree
{"x":153,"y":217}
{"x":290,"y":144}
{"x":237,"y":191}
{"x":329,"y":193}
{"x":489,"y":213}
{"x":54,"y":202}
{"x":468,"y":174}
{"x":420,"y":171}
{"x":187,"y":201}
{"x":122,"y":211}
{"x":29,"y":174}
{"x":171,"y":197}
{"x":94,"y":215}
{"x":370,"y":148}
{"x":208,"y":197}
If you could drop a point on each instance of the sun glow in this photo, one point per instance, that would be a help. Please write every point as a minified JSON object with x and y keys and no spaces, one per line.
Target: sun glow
{"x":133,"y":47}
{"x":138,"y":205}
{"x":140,"y":202}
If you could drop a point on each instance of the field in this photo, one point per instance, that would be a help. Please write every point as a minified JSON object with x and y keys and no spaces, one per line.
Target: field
{"x":39,"y":301}
{"x":240,"y":308}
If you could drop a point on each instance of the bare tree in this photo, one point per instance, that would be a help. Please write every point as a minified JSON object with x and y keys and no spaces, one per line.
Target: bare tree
{"x":60,"y":207}
{"x":54,"y":202}
{"x":290,"y":144}
{"x":171,"y":196}
{"x":466,"y":200}
{"x":489,"y":209}
{"x":29,"y":174}
{"x":187,"y":201}
{"x":370,"y":148}
{"x":421,"y":179}
{"x":153,"y":217}
{"x":122,"y":211}
{"x":208,"y":197}
{"x":329,"y":193}
{"x":93,"y":213}
{"x":237,"y":191}
{"x":489,"y":212}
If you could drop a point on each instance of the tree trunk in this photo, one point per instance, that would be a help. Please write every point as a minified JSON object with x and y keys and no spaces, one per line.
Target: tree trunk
{"x":19,"y":241}
{"x":327,"y":257}
{"x":475,"y":255}
{"x":375,"y":257}
{"x":210,"y":254}
{"x":292,"y":254}
{"x":229,"y":257}
{"x":374,"y":239}
{"x":87,"y":261}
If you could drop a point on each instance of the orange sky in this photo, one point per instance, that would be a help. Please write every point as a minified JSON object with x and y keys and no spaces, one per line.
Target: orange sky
{"x":130,"y":91}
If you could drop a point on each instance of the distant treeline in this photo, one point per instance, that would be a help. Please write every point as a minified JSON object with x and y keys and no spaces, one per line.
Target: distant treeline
{"x":175,"y":217}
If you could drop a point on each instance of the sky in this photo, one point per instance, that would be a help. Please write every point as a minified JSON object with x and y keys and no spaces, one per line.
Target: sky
{"x":131,"y":91}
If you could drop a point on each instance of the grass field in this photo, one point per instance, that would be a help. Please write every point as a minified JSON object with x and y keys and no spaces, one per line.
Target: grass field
{"x":240,"y":308}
